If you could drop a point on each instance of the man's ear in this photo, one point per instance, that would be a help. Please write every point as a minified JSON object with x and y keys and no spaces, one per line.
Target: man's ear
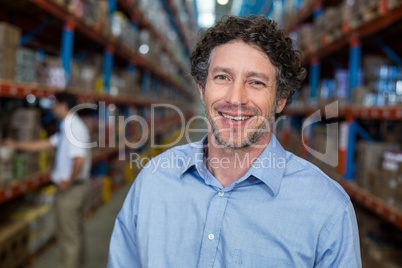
{"x":280,"y":104}
{"x":201,"y":90}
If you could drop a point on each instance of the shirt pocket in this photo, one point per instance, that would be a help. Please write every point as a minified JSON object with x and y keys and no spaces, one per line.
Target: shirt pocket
{"x":244,"y":259}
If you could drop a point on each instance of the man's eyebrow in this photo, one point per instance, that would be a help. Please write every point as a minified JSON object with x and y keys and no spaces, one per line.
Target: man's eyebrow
{"x":229,"y":70}
{"x":221,"y":69}
{"x":260,"y":75}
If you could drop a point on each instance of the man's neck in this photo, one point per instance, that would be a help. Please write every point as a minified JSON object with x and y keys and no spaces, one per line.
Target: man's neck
{"x":228,"y":165}
{"x":66,"y":116}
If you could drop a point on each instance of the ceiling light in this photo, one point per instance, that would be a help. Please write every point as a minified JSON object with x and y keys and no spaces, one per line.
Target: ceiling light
{"x":206,"y":20}
{"x":223,"y":2}
{"x":144,"y":49}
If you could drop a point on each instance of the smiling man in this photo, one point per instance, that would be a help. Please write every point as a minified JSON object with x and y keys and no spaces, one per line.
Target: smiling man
{"x":237,"y":198}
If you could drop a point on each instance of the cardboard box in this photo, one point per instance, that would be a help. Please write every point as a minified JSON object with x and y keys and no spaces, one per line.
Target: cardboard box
{"x":9,"y":34}
{"x":26,"y":65}
{"x":386,"y":185}
{"x":369,"y":157}
{"x":8,"y":61}
{"x":25,"y":118}
{"x":14,"y":238}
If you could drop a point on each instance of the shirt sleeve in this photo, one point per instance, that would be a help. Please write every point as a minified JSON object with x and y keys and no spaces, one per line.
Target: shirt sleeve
{"x":80,"y":135}
{"x":54,"y":139}
{"x":341,"y":248}
{"x":123,"y":245}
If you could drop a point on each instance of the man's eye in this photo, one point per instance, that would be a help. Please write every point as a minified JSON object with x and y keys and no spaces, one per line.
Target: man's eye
{"x":258,"y":83}
{"x":221,"y":77}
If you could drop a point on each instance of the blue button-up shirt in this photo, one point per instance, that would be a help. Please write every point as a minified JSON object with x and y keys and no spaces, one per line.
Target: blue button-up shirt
{"x":284,"y":212}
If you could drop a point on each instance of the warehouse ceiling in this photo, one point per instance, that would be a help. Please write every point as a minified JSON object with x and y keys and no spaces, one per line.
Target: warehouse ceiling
{"x":210,"y":11}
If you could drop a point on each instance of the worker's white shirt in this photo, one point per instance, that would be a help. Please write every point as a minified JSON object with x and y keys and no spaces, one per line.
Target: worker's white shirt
{"x":69,"y":145}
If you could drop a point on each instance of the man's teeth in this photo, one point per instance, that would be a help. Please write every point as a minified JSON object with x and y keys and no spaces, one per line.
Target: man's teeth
{"x":236,"y":118}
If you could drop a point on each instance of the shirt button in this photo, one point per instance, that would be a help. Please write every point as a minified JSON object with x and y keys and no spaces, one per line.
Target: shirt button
{"x":221,"y":193}
{"x":211,"y":236}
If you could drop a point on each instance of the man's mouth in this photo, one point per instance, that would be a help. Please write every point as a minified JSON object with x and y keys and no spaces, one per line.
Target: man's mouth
{"x":235,"y":118}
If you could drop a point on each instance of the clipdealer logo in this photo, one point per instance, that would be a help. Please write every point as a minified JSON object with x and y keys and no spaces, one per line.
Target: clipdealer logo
{"x":330,"y":156}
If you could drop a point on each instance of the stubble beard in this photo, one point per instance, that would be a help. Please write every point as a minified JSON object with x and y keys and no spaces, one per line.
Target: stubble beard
{"x":259,"y":132}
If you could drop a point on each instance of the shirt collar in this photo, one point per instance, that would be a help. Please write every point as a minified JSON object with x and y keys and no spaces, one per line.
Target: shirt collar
{"x":196,"y":155}
{"x":269,"y":166}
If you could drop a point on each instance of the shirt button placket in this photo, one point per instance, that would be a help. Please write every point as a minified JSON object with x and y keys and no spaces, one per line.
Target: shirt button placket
{"x":212,"y":228}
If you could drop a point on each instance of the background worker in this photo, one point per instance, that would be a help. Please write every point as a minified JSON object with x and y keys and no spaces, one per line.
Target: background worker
{"x":71,"y":176}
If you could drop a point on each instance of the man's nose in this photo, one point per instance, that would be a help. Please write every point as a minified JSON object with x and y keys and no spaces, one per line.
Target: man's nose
{"x":237,"y":94}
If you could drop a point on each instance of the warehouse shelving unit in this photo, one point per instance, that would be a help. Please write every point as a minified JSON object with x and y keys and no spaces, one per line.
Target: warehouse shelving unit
{"x":355,"y":111}
{"x":175,"y":17}
{"x":363,"y":197}
{"x":20,"y":90}
{"x":69,"y":34}
{"x":135,"y":14}
{"x":111,"y":45}
{"x":351,"y":37}
{"x":34,"y":181}
{"x":387,"y":18}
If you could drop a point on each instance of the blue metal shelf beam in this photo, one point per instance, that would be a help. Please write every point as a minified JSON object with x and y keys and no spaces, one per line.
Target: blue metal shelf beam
{"x":387,"y":50}
{"x":354,"y":65}
{"x":67,"y":46}
{"x":146,"y":83}
{"x":82,"y":54}
{"x":112,"y":7}
{"x":175,"y":24}
{"x":314,"y":80}
{"x":108,"y":68}
{"x":354,"y":130}
{"x":28,"y":37}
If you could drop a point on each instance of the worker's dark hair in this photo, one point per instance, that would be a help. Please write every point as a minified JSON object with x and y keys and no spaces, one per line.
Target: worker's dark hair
{"x":255,"y":30}
{"x":67,"y":98}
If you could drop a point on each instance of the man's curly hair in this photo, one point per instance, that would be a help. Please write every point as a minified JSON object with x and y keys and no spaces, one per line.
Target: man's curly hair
{"x":255,"y":30}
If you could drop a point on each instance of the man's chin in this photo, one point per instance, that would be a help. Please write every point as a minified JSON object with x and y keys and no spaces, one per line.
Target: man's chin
{"x":232,"y":143}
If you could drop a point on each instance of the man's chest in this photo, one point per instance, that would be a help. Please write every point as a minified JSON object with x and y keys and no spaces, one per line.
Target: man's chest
{"x":214,"y":228}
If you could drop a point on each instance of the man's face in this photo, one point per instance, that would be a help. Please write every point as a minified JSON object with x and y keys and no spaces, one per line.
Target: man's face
{"x":58,"y":109}
{"x":240,"y":95}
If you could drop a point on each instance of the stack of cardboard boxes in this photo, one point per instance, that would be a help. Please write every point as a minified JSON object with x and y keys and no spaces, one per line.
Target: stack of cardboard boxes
{"x":26,"y":65}
{"x":376,"y":174}
{"x":369,"y":157}
{"x":6,"y":166}
{"x":9,"y":40}
{"x":51,"y":73}
{"x":25,"y":126}
{"x":42,"y":223}
{"x":386,"y":182}
{"x":337,"y":20}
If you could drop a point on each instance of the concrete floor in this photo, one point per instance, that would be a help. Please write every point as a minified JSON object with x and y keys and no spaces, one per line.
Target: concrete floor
{"x":99,"y":228}
{"x":98,"y":231}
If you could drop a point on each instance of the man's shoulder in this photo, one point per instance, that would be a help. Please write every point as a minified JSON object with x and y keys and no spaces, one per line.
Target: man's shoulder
{"x":313,"y":180}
